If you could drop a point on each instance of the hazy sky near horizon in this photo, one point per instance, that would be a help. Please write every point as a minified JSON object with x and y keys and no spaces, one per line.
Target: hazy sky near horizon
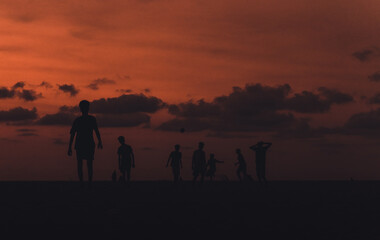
{"x":302,"y":74}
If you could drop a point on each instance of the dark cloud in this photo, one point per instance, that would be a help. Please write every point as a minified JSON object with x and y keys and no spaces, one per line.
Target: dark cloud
{"x":309,"y":102}
{"x":104,"y":120}
{"x":46,"y":85}
{"x":94,"y":85}
{"x":254,"y":108}
{"x":374,"y":77}
{"x":365,"y":124}
{"x":28,"y":134}
{"x":60,"y":118}
{"x":29,"y":95}
{"x":131,"y":103}
{"x":26,"y":130}
{"x":124,"y":111}
{"x":68,"y":89}
{"x":123,"y":120}
{"x":124,"y":90}
{"x":6,"y":93}
{"x":18,"y":114}
{"x":363,"y":55}
{"x":374,"y":99}
{"x":19,"y":85}
{"x":19,"y":91}
{"x":124,"y":104}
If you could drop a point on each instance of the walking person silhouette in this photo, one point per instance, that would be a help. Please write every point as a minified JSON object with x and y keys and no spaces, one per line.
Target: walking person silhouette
{"x":261,"y":149}
{"x":199,"y":163}
{"x":211,"y":164}
{"x":126,"y":159}
{"x":175,"y":160}
{"x":242,"y":165}
{"x":83,"y":127}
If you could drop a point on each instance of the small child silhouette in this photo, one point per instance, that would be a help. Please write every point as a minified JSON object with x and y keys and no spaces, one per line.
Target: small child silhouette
{"x":242,"y":165}
{"x":211,"y":164}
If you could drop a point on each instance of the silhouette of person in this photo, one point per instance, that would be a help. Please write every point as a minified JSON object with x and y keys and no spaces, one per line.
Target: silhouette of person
{"x":261,"y":148}
{"x":211,"y":164}
{"x":242,"y":165}
{"x":175,"y":160}
{"x":199,"y":162}
{"x":83,"y":127}
{"x":126,"y":159}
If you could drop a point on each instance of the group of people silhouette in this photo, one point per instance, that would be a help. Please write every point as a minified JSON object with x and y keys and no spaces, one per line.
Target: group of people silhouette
{"x":84,"y":126}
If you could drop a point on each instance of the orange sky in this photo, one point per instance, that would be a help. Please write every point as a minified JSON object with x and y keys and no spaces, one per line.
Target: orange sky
{"x":182,"y":50}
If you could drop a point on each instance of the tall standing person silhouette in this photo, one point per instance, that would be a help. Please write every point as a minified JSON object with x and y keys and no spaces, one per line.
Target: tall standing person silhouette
{"x":261,"y":149}
{"x":83,"y":127}
{"x":199,"y":163}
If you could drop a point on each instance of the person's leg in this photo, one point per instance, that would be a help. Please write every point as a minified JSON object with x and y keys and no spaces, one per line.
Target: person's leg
{"x":195,"y":174}
{"x":128,"y":173}
{"x":238,"y":174}
{"x":245,"y":173}
{"x":258,"y":171}
{"x":263,"y":171}
{"x":90,"y":171}
{"x":80,"y":168}
{"x":123,"y":175}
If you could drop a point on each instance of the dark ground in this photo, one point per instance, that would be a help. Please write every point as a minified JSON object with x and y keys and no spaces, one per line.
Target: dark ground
{"x":309,"y":210}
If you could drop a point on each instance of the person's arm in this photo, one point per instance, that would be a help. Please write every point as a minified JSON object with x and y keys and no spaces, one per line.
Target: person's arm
{"x":180,"y":160}
{"x":72,"y":135}
{"x":253,"y":147}
{"x":100,"y":144}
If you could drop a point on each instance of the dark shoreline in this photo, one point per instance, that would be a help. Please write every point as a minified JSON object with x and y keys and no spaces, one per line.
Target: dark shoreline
{"x":305,"y":208}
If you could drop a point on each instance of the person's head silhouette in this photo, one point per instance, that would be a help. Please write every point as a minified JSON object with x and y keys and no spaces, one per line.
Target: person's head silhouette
{"x":238,"y":151}
{"x":84,"y":106}
{"x":121,"y":139}
{"x":201,"y":145}
{"x":176,"y":147}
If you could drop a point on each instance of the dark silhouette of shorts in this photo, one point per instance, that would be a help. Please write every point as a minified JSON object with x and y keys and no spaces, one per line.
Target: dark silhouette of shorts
{"x":125,"y":164}
{"x":86,"y":152}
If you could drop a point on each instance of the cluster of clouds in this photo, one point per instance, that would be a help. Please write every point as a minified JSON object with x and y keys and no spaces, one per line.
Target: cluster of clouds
{"x":255,"y":108}
{"x":18,"y":90}
{"x":123,"y":111}
{"x":367,"y":123}
{"x":249,"y":109}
